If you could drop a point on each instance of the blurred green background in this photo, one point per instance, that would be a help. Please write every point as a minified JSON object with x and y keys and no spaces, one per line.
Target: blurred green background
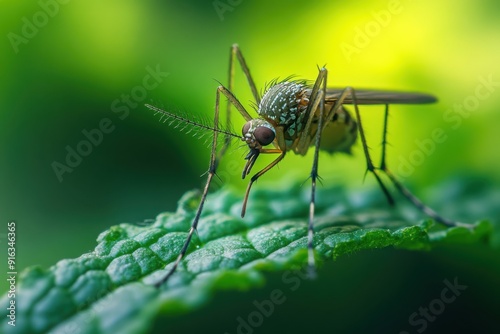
{"x":64,"y":72}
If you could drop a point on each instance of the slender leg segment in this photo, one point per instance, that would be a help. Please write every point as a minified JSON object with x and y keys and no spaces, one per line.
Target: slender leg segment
{"x":384,"y":138}
{"x":369,"y":164}
{"x":321,"y":87}
{"x":235,"y":52}
{"x":402,"y":189}
{"x":256,"y":176}
{"x":211,"y":172}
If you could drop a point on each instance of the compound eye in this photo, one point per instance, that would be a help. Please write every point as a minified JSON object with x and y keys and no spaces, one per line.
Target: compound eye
{"x":264,"y":135}
{"x":246,"y":127}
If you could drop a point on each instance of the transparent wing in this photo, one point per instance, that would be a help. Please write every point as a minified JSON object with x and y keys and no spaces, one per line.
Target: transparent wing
{"x":372,"y":96}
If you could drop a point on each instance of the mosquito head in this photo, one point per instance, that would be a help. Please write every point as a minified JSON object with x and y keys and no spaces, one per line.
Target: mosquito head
{"x":257,"y":133}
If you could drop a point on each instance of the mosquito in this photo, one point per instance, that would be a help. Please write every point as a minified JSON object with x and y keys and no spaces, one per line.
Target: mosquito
{"x":294,"y":116}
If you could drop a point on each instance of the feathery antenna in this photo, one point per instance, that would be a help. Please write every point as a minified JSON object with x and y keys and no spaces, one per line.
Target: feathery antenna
{"x":181,"y":120}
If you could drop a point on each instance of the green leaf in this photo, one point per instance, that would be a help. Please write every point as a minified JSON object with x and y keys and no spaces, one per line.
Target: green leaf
{"x":110,"y":289}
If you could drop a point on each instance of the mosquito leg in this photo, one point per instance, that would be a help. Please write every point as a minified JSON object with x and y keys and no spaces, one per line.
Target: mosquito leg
{"x":322,"y":77}
{"x":316,"y":99}
{"x":370,"y":167}
{"x":401,"y":188}
{"x":236,"y":52}
{"x":211,"y":172}
{"x":314,"y":102}
{"x":418,"y":203}
{"x":234,"y":101}
{"x":384,"y":139}
{"x":227,"y":139}
{"x":369,"y":164}
{"x":255,"y":177}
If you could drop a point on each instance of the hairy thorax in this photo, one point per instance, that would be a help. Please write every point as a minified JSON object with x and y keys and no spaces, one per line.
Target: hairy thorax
{"x":285,"y":105}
